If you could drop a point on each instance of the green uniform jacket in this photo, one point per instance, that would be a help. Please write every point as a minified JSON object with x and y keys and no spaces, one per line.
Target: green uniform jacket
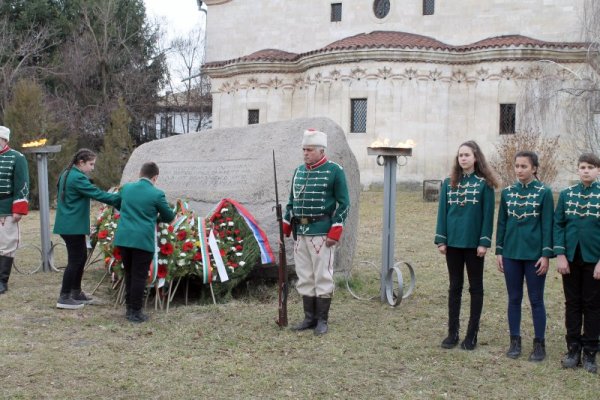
{"x":318,"y":190}
{"x":577,"y":222}
{"x":524,"y":230}
{"x":141,"y":203}
{"x":466,"y":213}
{"x":73,"y":211}
{"x":14,"y":182}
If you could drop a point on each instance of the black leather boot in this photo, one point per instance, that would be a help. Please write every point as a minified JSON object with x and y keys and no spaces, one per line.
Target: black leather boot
{"x":539,"y":350}
{"x":323,"y":304}
{"x":5,"y":268}
{"x":470,"y":341}
{"x":453,"y":322}
{"x":589,"y":360}
{"x":573,"y":357}
{"x":514,"y":350}
{"x":310,"y":320}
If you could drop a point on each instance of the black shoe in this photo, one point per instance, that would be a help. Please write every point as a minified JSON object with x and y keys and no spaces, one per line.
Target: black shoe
{"x":66,"y":302}
{"x":128,"y":312}
{"x":589,"y":361}
{"x":322,"y":313}
{"x":573,"y":357}
{"x":81,"y":297}
{"x":310,"y":320}
{"x":137,"y":317}
{"x":3,"y":287}
{"x":539,"y":350}
{"x":450,"y":341}
{"x":514,"y":350}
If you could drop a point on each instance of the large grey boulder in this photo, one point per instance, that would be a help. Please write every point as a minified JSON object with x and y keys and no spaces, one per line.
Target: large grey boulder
{"x":205,"y":167}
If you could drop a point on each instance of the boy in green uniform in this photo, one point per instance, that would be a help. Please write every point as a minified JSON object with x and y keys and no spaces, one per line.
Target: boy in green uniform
{"x":141,"y":202}
{"x":576,"y":244}
{"x":14,"y":191}
{"x":317,"y":209}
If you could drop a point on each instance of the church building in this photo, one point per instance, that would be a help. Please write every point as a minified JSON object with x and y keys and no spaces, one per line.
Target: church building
{"x":437,"y":72}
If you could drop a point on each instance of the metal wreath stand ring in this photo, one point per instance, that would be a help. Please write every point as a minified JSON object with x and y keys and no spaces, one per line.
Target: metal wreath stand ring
{"x":392,"y":299}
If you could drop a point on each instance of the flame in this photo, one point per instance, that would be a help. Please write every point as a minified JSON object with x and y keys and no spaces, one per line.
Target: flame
{"x":35,"y":143}
{"x":408,"y":144}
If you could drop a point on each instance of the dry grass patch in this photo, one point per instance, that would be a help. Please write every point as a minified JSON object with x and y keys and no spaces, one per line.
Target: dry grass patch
{"x":235,"y":350}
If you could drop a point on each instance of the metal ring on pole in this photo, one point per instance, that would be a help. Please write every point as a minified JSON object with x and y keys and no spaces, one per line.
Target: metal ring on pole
{"x":404,"y":161}
{"x":394,"y":299}
{"x":380,"y":160}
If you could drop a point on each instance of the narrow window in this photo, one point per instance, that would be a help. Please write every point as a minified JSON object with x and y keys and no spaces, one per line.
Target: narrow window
{"x":508,"y":115}
{"x":253,"y":117}
{"x":336,"y":12}
{"x":358,"y":123}
{"x":428,"y":7}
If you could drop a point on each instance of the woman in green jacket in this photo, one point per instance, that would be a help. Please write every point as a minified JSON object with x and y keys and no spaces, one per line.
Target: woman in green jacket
{"x":72,"y":223}
{"x":464,"y":233}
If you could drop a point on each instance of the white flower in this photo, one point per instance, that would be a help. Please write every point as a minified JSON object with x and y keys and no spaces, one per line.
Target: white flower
{"x":163,"y":241}
{"x":224,"y":210}
{"x":230,"y":238}
{"x":164,"y":232}
{"x":222,"y":224}
{"x":112,"y":224}
{"x":242,"y":263}
{"x":181,"y":263}
{"x":182,"y":255}
{"x":162,"y":261}
{"x":239,"y":254}
{"x":230,"y":223}
{"x":232,"y":248}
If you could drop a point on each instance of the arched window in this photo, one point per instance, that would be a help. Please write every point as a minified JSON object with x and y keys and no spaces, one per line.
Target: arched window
{"x":381,"y":8}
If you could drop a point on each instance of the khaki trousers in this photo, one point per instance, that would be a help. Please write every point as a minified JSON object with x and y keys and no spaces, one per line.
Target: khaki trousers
{"x":10,"y":236}
{"x":314,"y":266}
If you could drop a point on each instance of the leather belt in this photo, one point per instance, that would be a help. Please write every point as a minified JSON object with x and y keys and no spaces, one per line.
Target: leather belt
{"x":310,"y":219}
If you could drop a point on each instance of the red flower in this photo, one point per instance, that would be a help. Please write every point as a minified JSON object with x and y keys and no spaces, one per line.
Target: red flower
{"x":222,"y":251}
{"x":234,"y":265}
{"x":198,"y":256}
{"x":221,"y":234}
{"x":238,"y":247}
{"x":237,"y":231}
{"x":117,"y":253}
{"x":162,"y":271}
{"x":170,"y":228}
{"x":239,"y":239}
{"x":217,"y":215}
{"x":102,"y":234}
{"x":228,"y":219}
{"x":187,"y":246}
{"x":166,"y":249}
{"x":117,"y":216}
{"x":181,"y":235}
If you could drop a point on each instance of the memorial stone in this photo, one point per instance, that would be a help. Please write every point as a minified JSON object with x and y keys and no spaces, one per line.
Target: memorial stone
{"x":205,"y":167}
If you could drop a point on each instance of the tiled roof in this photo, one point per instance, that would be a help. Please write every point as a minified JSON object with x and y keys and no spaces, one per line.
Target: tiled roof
{"x":399,"y":40}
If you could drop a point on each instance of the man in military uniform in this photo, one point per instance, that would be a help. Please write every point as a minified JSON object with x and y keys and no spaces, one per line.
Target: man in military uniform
{"x":315,"y":214}
{"x":14,"y":191}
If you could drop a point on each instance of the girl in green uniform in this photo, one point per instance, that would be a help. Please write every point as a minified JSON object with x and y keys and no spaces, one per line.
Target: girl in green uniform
{"x":72,"y":223}
{"x":523,"y":249}
{"x":464,"y":233}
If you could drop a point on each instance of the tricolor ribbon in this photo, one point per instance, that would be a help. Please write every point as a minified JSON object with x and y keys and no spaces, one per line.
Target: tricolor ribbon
{"x":206,"y":269}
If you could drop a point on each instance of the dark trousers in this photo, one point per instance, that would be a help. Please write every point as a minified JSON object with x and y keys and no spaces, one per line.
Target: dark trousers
{"x":77,"y":256}
{"x":136,"y":264}
{"x":582,"y":303}
{"x":457,"y":259}
{"x":514,"y":273}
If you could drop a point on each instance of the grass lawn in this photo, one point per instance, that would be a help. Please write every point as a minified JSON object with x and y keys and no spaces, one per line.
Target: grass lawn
{"x":235,"y":350}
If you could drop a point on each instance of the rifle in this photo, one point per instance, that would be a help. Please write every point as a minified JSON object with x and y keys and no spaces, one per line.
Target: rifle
{"x":282,"y":272}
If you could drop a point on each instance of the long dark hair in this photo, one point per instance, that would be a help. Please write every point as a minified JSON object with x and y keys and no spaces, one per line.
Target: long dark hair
{"x":482,"y":169}
{"x":84,"y":155}
{"x":533,"y":159}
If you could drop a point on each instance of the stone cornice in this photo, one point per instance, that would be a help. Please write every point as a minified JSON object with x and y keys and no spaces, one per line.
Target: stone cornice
{"x":397,"y":55}
{"x":469,"y":74}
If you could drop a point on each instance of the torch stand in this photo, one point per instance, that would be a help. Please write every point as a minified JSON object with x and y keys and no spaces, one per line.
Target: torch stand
{"x":41,"y":155}
{"x":388,"y":158}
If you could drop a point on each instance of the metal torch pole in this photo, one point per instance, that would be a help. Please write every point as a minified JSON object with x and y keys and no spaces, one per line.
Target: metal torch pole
{"x":42,"y":161}
{"x":389,"y":219}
